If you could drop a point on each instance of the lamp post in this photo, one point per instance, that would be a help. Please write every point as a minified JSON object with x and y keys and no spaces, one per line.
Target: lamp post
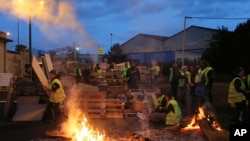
{"x":30,"y":41}
{"x":41,"y":2}
{"x":184,"y":40}
{"x":76,"y":49}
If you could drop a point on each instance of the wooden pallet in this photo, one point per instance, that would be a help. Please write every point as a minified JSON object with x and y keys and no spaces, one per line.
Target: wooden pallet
{"x":114,"y":91}
{"x":114,"y":109}
{"x":4,"y":89}
{"x":93,"y":104}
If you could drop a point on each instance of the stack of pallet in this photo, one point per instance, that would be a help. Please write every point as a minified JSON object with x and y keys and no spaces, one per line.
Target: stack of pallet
{"x":93,"y":104}
{"x":114,"y":108}
{"x":114,"y":91}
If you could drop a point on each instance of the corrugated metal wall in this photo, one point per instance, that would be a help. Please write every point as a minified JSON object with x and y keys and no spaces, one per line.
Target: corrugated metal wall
{"x":146,"y":58}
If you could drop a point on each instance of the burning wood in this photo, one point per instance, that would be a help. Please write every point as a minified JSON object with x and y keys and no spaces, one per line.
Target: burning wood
{"x":207,"y":124}
{"x":194,"y":123}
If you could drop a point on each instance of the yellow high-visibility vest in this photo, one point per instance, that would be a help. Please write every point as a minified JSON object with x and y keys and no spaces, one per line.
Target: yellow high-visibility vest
{"x":59,"y":95}
{"x":173,"y":118}
{"x":157,"y":100}
{"x":233,"y":95}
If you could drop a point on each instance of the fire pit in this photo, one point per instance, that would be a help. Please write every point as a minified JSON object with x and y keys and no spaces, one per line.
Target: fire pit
{"x":208,"y":125}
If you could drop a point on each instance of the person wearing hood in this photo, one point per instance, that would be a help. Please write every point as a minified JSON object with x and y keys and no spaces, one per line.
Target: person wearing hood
{"x":56,"y":97}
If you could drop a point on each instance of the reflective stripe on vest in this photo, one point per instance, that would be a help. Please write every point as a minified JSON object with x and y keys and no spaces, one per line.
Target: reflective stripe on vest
{"x":173,"y":117}
{"x":206,"y":70}
{"x":198,"y":76}
{"x":233,"y":95}
{"x":182,"y":80}
{"x":59,"y":95}
{"x":201,"y":73}
{"x":78,"y":71}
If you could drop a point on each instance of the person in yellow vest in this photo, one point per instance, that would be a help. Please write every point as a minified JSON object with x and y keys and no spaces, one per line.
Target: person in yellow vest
{"x":237,"y":95}
{"x":174,"y":74}
{"x":158,"y":98}
{"x":99,"y":71}
{"x":172,"y":110}
{"x":183,"y":89}
{"x":124,"y":69}
{"x":247,"y":83}
{"x":78,"y":73}
{"x":56,"y":97}
{"x":203,"y":83}
{"x":155,"y":69}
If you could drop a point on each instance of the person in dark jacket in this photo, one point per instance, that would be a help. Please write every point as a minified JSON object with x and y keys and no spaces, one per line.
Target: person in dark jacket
{"x":133,"y":75}
{"x":174,"y":75}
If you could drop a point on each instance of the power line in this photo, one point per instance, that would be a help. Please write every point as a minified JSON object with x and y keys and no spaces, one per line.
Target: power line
{"x":215,"y":18}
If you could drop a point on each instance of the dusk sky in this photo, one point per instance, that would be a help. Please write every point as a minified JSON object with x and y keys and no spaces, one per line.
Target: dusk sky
{"x":89,"y":23}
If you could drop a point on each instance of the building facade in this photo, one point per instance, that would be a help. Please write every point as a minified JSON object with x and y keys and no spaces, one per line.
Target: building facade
{"x":182,"y":47}
{"x":12,"y":61}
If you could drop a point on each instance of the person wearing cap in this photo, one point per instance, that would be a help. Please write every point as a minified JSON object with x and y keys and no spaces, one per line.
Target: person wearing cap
{"x":172,"y":110}
{"x":56,"y":97}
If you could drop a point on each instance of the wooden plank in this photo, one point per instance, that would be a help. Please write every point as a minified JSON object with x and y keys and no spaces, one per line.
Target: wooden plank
{"x":57,"y":134}
{"x":95,"y":111}
{"x":39,"y":72}
{"x":4,"y":89}
{"x":45,"y":68}
{"x":114,"y":115}
{"x":96,"y":116}
{"x":95,"y":104}
{"x":49,"y":62}
{"x":212,"y":134}
{"x":127,"y":115}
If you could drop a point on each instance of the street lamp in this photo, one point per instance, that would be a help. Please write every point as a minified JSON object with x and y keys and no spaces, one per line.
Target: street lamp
{"x":41,"y":2}
{"x":184,"y":40}
{"x":76,"y":49}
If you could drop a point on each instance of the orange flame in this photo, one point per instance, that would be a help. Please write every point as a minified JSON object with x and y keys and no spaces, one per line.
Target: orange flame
{"x":192,"y":125}
{"x":201,"y":115}
{"x":85,"y":132}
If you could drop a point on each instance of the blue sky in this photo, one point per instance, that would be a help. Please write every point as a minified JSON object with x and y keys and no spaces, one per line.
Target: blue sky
{"x":89,"y":23}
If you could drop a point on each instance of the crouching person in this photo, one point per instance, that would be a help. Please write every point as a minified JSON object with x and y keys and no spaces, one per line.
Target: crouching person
{"x":172,"y":110}
{"x":158,"y":98}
